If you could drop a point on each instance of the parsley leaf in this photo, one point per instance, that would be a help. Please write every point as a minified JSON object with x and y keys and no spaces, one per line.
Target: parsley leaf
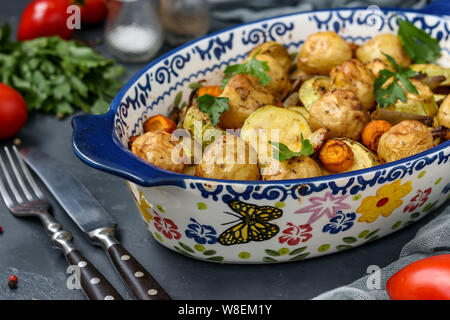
{"x":387,"y":95}
{"x":253,"y":67}
{"x":57,"y":76}
{"x":213,"y":106}
{"x":282,"y":152}
{"x":418,"y":44}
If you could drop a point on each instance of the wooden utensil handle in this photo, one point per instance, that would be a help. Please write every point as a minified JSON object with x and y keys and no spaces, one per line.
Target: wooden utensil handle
{"x":138,"y":280}
{"x":93,"y":283}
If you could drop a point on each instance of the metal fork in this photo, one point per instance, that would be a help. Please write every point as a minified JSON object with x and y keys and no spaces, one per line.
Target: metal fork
{"x":25,"y":199}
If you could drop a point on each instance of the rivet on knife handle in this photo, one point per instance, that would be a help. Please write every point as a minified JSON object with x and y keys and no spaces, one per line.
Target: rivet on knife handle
{"x":94,"y":284}
{"x":138,"y":280}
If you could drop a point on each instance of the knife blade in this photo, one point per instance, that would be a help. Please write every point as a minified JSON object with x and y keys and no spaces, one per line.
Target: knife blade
{"x":73,"y":196}
{"x":94,"y":221}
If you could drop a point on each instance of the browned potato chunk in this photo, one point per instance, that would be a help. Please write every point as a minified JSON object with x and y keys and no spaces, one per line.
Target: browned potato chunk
{"x":376,"y":65}
{"x":322,"y":51}
{"x":444,"y":113}
{"x":229,"y":157}
{"x":341,"y":112}
{"x":389,"y":44}
{"x":353,"y":75}
{"x":279,"y":84}
{"x":294,"y":168}
{"x":245,"y":95}
{"x":158,"y":149}
{"x":405,"y":139}
{"x":276,"y":51}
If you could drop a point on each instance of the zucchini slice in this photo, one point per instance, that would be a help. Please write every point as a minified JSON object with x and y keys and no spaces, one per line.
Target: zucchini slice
{"x":274,"y":124}
{"x":200,"y":126}
{"x":304,"y":112}
{"x":312,"y":89}
{"x":363,"y":157}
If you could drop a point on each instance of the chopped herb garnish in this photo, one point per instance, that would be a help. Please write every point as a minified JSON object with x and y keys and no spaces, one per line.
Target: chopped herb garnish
{"x":418,"y":44}
{"x":213,"y":106}
{"x":195,"y":85}
{"x":285,"y":153}
{"x":177,"y":100}
{"x":293,"y":55}
{"x":253,"y":67}
{"x":387,"y":95}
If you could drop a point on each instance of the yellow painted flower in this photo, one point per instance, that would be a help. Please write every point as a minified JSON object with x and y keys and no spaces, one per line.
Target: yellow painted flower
{"x":144,"y":207}
{"x":384,"y":202}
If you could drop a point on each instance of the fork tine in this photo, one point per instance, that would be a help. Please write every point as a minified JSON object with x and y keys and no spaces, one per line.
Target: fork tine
{"x":37,"y":191}
{"x":10,"y":183}
{"x":22,"y":184}
{"x":5,"y":195}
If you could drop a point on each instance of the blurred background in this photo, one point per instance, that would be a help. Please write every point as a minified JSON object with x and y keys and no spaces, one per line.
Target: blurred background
{"x":135,"y":31}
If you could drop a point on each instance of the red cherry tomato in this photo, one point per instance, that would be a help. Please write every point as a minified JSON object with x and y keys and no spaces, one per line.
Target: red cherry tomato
{"x":426,"y":279}
{"x":44,"y":18}
{"x":92,"y":11}
{"x":13,"y":111}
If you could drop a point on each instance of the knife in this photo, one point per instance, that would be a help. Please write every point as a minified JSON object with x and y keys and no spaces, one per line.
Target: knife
{"x":94,"y":221}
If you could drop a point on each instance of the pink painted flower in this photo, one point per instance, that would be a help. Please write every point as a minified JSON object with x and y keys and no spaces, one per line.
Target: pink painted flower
{"x":419,"y":200}
{"x":327,"y":205}
{"x":294,"y":234}
{"x":166,"y":226}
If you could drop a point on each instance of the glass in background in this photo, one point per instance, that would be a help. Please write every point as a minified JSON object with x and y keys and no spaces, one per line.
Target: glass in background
{"x":184,"y":20}
{"x":133,"y":31}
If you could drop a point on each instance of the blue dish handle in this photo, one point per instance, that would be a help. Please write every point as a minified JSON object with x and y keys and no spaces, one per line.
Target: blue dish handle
{"x":437,"y":7}
{"x":95,"y":143}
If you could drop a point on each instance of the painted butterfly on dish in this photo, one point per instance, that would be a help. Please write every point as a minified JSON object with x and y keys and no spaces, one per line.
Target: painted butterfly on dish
{"x":253,"y":223}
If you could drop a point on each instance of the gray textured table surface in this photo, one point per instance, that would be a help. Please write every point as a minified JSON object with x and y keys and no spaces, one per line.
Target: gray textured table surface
{"x":25,"y":250}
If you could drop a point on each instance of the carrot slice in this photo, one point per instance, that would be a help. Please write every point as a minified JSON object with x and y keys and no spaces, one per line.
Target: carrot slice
{"x":214,"y":91}
{"x":372,"y":132}
{"x":130,"y":142}
{"x":336,"y":156}
{"x":159,"y":123}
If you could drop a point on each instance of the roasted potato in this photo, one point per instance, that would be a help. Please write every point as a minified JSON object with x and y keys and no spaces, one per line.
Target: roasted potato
{"x":274,"y":124}
{"x":276,"y":51}
{"x":159,"y":149}
{"x":279,"y":84}
{"x":229,"y":157}
{"x":322,"y":51}
{"x":384,"y":43}
{"x":200,"y":126}
{"x":312,"y":89}
{"x":190,"y":169}
{"x":443,"y":115}
{"x":245,"y":95}
{"x":405,"y":139}
{"x":354,"y":76}
{"x":294,"y":168}
{"x":341,"y":112}
{"x":420,"y":104}
{"x":376,"y":65}
{"x":336,"y":156}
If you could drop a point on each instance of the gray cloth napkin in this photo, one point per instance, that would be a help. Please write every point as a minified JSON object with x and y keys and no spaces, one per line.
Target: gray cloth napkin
{"x":246,"y":11}
{"x":432,"y":239}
